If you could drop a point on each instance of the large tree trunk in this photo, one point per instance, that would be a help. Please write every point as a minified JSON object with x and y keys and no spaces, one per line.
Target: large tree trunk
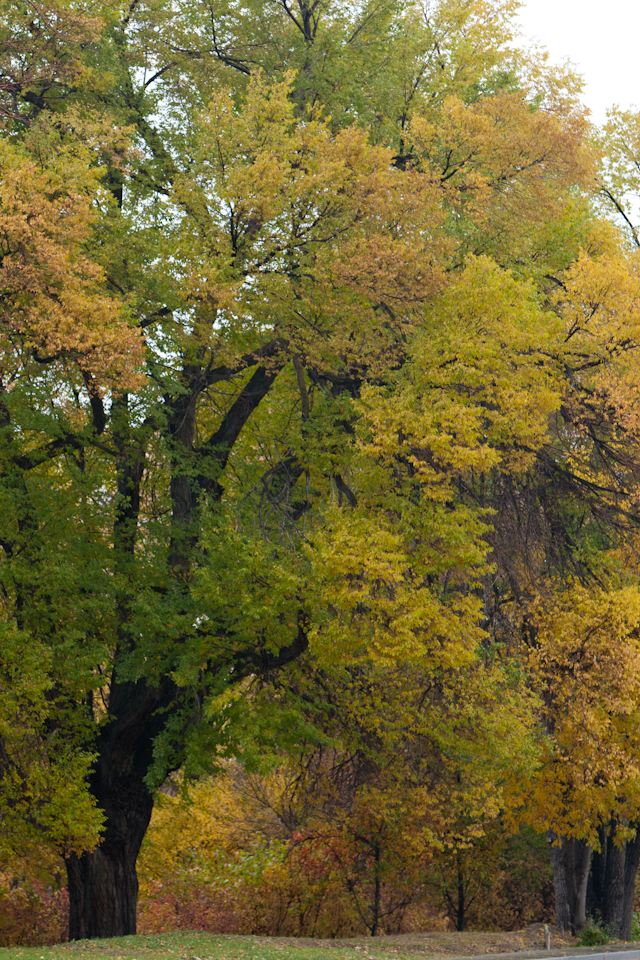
{"x":570,"y":862}
{"x":614,"y":884}
{"x":103,"y":886}
{"x":632,"y":860}
{"x":595,"y":894}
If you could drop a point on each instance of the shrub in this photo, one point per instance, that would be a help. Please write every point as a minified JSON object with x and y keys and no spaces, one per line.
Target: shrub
{"x":594,"y":935}
{"x":32,"y":915}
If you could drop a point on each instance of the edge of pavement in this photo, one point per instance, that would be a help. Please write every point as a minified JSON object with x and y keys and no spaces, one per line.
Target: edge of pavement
{"x":622,"y":952}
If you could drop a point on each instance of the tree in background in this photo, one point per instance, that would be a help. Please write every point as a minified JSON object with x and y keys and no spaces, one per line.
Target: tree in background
{"x":585,"y":793}
{"x":324,"y":844}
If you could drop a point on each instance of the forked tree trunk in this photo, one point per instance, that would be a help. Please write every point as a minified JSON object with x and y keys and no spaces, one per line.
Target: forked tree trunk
{"x":103,"y":885}
{"x":570,"y":862}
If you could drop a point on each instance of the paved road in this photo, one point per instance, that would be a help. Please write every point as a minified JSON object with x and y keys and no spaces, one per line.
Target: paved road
{"x":576,"y":953}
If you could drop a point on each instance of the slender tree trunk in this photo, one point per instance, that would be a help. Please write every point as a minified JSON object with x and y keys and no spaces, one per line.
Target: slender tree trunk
{"x":377,"y":891}
{"x":558,"y":865}
{"x":462,"y":906}
{"x":632,"y":860}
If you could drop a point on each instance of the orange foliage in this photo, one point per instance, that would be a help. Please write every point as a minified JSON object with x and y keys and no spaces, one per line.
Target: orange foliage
{"x":55,"y":305}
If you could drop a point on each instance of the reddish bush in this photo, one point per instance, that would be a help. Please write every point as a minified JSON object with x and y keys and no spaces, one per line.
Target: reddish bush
{"x":33,"y":916}
{"x":176,"y":906}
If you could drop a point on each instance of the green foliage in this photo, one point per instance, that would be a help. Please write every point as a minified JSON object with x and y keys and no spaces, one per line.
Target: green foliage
{"x":494,"y":881}
{"x":594,"y":935}
{"x":44,"y":802}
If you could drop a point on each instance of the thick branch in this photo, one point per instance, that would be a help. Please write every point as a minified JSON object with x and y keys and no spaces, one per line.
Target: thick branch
{"x":220,"y":444}
{"x":262,"y":662}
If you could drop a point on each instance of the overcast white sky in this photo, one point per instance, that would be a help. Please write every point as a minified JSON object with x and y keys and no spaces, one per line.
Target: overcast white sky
{"x":601,"y":38}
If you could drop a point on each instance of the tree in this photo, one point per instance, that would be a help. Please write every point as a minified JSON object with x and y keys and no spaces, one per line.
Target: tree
{"x":619,"y":184}
{"x":308,"y":216}
{"x":587,"y":788}
{"x":565,"y":540}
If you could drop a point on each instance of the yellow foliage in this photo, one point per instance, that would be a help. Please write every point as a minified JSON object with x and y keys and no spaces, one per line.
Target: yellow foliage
{"x":586,"y":663}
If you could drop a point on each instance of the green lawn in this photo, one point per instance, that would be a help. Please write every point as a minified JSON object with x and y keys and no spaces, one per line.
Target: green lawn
{"x":189,"y":946}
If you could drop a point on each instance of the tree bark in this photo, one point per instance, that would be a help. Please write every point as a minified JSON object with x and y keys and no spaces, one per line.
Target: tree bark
{"x":559,"y":867}
{"x":582,"y":863}
{"x":614,"y":884}
{"x":595,"y":894}
{"x":632,"y":860}
{"x":376,"y":892}
{"x":568,"y":844}
{"x":570,"y":862}
{"x":461,"y":912}
{"x":103,"y":885}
